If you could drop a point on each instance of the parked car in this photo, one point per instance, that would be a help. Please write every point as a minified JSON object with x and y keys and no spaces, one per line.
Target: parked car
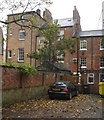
{"x":62,"y":89}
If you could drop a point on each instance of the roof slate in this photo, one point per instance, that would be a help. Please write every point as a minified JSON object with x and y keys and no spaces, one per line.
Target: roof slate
{"x":91,"y":33}
{"x":66,"y":22}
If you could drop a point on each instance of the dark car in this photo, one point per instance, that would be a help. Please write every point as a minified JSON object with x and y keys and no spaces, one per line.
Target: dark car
{"x":62,"y":89}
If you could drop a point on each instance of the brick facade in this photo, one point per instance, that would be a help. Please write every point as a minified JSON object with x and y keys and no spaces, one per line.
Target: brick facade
{"x":11,"y":78}
{"x":29,"y":43}
{"x":93,"y":54}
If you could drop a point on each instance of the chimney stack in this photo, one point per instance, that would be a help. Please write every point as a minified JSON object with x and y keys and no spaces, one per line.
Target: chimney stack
{"x":38,"y":11}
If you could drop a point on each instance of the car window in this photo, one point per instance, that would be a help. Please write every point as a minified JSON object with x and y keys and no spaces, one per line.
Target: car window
{"x":60,"y":83}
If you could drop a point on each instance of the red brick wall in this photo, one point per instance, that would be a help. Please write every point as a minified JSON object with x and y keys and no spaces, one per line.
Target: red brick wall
{"x":11,"y":78}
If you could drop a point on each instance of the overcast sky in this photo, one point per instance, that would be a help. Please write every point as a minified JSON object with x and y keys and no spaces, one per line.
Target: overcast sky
{"x":89,"y":10}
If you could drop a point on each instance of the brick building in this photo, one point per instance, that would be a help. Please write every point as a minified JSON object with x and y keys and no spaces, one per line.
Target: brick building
{"x":68,"y":26}
{"x":26,"y":39}
{"x":23,"y":33}
{"x":88,"y":60}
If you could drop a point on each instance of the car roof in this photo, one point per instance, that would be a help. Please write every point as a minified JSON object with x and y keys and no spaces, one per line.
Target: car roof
{"x":60,"y":82}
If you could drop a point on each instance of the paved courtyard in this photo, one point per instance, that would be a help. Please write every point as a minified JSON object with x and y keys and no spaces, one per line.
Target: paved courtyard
{"x":82,"y":106}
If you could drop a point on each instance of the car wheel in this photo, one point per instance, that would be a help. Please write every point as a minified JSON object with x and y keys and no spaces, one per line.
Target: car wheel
{"x":70,"y":96}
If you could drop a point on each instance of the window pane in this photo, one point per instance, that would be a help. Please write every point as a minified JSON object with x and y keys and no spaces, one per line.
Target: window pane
{"x":102,"y":44}
{"x":60,"y":57}
{"x":83,"y":62}
{"x":101,"y":77}
{"x":21,"y":54}
{"x":9,"y":54}
{"x":101,"y":62}
{"x":83,"y":44}
{"x":21,"y":34}
{"x":90,"y":78}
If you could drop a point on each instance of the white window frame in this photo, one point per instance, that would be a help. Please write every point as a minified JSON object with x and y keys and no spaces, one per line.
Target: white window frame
{"x":101,"y":46}
{"x":60,"y":58}
{"x":90,"y":75}
{"x":9,"y":54}
{"x":20,"y":55}
{"x":40,"y":42}
{"x":11,"y":31}
{"x":61,"y":35}
{"x":84,"y":65}
{"x":101,"y":67}
{"x":22,"y":34}
{"x":83,"y":43}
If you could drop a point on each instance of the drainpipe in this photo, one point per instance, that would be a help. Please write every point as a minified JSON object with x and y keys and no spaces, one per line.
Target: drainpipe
{"x":36,"y":46}
{"x":91,"y":53}
{"x":31,"y":45}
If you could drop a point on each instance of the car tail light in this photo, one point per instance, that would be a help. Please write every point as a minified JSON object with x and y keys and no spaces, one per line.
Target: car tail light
{"x":50,"y":88}
{"x":65,"y":89}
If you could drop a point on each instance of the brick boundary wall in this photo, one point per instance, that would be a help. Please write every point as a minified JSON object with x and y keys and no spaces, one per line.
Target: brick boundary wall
{"x":11,"y":78}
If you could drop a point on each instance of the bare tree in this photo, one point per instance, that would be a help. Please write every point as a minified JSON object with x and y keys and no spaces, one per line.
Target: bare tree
{"x":15,"y":6}
{"x":19,"y":6}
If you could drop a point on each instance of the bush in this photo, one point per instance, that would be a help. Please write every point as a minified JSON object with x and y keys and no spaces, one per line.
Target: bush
{"x":27,"y":69}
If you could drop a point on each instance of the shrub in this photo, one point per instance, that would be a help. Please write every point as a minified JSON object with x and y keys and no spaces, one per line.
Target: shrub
{"x":27,"y":69}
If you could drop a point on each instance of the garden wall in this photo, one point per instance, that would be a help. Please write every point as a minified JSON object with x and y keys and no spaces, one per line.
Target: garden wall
{"x":15,"y":88}
{"x":11,"y":96}
{"x":11,"y":78}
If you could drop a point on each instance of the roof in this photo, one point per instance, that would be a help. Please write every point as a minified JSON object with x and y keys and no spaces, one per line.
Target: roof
{"x":91,"y":33}
{"x":66,"y":22}
{"x":47,"y":66}
{"x":25,"y":13}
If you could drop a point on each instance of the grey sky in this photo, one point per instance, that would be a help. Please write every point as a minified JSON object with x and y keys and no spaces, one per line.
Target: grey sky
{"x":89,"y":10}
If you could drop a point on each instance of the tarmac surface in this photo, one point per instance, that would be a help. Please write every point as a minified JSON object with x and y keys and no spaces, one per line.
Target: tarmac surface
{"x":81,"y":106}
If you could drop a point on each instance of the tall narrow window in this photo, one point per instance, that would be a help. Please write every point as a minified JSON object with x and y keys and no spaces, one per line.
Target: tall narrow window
{"x":11,"y":31}
{"x":90,"y":78}
{"x":83,"y":44}
{"x":60,"y":57}
{"x":61,"y":35}
{"x":21,"y":34}
{"x":9,"y":54}
{"x":21,"y":54}
{"x":102,"y":62}
{"x":83,"y":62}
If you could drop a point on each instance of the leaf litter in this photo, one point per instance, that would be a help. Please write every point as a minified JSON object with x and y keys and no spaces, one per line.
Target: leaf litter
{"x":83,"y":105}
